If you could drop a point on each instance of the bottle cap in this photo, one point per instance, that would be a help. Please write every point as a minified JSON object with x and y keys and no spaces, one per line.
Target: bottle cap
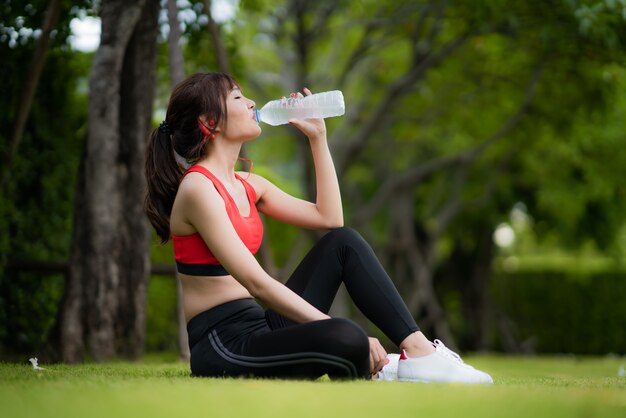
{"x":257,"y":116}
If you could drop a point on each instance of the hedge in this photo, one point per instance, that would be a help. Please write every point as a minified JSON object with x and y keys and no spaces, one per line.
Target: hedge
{"x":563,"y":312}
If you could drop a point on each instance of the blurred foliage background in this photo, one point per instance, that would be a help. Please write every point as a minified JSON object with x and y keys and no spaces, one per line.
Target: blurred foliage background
{"x":481,"y":154}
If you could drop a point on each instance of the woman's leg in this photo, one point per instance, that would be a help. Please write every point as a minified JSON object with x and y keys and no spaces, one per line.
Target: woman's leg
{"x":342,"y":255}
{"x":337,"y":347}
{"x":234,"y":339}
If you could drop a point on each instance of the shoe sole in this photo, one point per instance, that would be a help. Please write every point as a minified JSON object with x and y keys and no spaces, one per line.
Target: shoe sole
{"x":406,"y":379}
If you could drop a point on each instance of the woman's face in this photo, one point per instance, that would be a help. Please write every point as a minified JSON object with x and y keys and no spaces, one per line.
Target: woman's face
{"x":241,"y":124}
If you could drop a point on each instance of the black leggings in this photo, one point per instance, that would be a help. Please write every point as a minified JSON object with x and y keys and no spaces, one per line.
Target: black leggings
{"x":239,"y":338}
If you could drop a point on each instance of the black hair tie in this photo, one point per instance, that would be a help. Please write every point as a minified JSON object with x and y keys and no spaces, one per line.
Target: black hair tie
{"x":165,"y":128}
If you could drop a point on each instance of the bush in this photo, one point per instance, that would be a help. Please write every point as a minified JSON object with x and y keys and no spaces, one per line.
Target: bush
{"x":37,"y":199}
{"x":564,"y":313}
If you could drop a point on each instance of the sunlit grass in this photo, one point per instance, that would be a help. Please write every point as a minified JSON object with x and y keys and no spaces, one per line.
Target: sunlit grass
{"x":525,"y":387}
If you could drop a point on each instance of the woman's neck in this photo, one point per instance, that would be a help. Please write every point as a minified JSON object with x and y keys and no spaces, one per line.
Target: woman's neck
{"x":221,"y":159}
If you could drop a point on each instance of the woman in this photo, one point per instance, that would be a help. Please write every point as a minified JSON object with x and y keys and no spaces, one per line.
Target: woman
{"x":212,"y":215}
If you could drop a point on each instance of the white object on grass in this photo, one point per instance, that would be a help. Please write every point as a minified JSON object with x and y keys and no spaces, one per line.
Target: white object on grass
{"x":34,"y":362}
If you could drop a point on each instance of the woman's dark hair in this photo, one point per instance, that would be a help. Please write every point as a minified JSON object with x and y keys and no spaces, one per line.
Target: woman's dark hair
{"x":199,"y":95}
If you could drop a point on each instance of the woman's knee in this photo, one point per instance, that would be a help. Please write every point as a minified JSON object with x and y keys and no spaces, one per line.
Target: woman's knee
{"x":350,"y":342}
{"x":348,"y":337}
{"x":344,"y":235}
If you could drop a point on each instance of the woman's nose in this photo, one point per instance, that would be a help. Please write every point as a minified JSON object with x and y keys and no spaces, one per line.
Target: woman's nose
{"x":252,"y":104}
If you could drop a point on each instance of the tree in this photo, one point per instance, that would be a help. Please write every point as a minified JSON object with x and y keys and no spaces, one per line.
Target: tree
{"x":439,"y":97}
{"x":30,"y":86}
{"x":36,"y":202}
{"x":456,"y":111}
{"x":105,"y":294}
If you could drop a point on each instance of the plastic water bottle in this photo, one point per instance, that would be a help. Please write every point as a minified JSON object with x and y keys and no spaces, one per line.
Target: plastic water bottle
{"x":319,"y":105}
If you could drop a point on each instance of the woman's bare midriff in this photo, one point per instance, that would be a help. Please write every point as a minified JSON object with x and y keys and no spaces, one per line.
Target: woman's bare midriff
{"x":201,"y":293}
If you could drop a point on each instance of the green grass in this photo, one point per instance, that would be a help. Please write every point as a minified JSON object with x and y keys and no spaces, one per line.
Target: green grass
{"x":525,"y":387}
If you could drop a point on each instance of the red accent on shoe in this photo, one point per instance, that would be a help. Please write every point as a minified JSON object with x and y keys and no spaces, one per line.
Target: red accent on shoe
{"x":403,"y":356}
{"x":387,"y":361}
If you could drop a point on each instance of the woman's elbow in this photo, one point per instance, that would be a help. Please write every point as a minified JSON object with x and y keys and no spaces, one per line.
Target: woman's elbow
{"x":259,"y":288}
{"x":257,"y":291}
{"x":338,"y":224}
{"x":265,"y":294}
{"x":334,"y":223}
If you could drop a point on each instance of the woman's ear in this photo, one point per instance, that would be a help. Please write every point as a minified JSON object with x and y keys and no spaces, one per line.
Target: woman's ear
{"x":207,"y":127}
{"x":208,"y":123}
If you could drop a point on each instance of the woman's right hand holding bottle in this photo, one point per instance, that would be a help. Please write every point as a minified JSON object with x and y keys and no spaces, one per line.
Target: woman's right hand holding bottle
{"x":314,"y":129}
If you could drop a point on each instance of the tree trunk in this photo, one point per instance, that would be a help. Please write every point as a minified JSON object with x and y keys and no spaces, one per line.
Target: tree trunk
{"x":30,"y":87}
{"x":109,"y":253}
{"x":221,"y":55}
{"x":419,"y":289}
{"x":177,"y":74}
{"x":72,"y":330}
{"x":177,"y":62}
{"x":468,"y":271}
{"x":138,"y":81}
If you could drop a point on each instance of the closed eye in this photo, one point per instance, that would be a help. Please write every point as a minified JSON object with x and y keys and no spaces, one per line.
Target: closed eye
{"x":236,"y":93}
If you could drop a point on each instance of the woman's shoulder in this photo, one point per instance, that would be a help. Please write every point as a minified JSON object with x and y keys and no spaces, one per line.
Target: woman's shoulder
{"x":255,"y":180}
{"x":192,"y":180}
{"x":196,"y":185}
{"x":194,"y":196}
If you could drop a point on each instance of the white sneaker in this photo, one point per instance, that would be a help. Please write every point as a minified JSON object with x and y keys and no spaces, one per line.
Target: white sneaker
{"x":442,"y":366}
{"x":390,"y":369}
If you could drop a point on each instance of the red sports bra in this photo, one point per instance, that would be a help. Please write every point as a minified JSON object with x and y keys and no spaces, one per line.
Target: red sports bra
{"x":194,"y":257}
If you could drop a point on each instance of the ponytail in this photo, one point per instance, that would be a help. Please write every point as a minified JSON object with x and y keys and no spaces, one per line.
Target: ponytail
{"x":163,"y":175}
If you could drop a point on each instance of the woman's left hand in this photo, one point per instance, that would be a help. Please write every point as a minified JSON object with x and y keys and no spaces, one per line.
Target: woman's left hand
{"x":312,"y":128}
{"x":378,"y":355}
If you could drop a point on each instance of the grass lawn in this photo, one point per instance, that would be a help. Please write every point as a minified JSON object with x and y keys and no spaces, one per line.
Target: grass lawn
{"x":525,"y":387}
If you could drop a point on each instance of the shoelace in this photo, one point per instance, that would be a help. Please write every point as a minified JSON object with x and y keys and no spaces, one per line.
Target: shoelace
{"x":440,"y":346}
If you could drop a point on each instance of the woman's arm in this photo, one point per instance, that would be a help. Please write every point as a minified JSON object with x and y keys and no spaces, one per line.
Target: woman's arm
{"x":327,"y":211}
{"x":204,"y":209}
